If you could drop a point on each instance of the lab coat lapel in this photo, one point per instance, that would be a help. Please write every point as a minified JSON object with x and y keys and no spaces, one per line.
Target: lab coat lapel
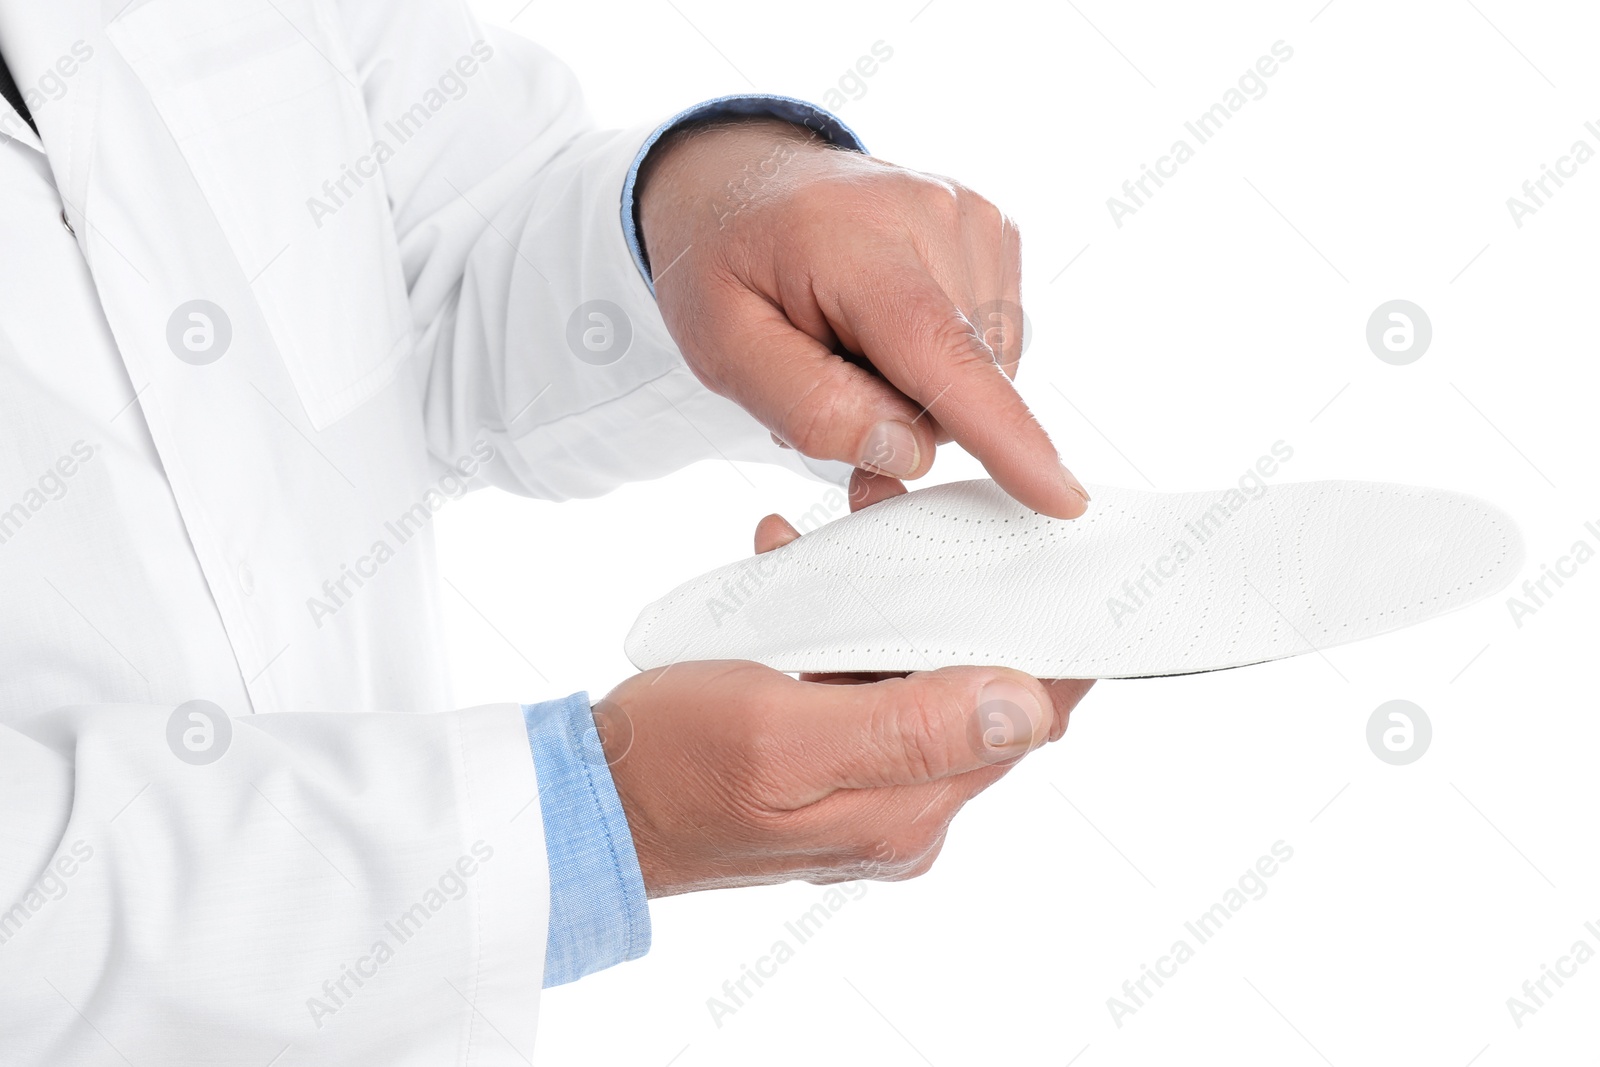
{"x":50,"y":49}
{"x":256,"y":340}
{"x":263,"y":103}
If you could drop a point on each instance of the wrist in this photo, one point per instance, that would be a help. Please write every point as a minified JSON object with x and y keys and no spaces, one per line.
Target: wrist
{"x":614,"y":731}
{"x":706,"y":174}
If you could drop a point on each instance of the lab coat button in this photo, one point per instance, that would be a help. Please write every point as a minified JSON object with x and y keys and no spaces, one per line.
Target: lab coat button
{"x":247,"y":580}
{"x":67,"y":224}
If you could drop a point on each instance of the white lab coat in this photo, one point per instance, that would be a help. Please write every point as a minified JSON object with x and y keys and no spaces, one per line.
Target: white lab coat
{"x":264,"y":908}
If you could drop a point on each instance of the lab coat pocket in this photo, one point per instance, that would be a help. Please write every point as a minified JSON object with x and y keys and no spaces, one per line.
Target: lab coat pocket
{"x":265,"y":106}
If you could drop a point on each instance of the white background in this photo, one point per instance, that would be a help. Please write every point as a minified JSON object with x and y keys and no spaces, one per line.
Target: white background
{"x":1225,"y":315}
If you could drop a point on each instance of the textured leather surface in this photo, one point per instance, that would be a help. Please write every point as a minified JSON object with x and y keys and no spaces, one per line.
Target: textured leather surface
{"x":1144,"y":584}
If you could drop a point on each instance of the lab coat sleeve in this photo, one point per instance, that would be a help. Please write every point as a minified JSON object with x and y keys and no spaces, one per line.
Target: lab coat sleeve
{"x":333,"y":889}
{"x":535,"y":327}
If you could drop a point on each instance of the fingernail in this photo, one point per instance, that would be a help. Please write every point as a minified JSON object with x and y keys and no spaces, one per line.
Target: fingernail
{"x":891,"y":448}
{"x":1010,"y":719}
{"x":1073,"y":483}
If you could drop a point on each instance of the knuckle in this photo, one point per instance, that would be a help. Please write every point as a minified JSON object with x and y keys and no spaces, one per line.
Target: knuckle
{"x":977,"y":210}
{"x":915,"y":729}
{"x":955,"y":346}
{"x":943,"y":199}
{"x":961,"y":341}
{"x":977,"y":205}
{"x":759,"y":749}
{"x":765,"y":738}
{"x":809,"y":421}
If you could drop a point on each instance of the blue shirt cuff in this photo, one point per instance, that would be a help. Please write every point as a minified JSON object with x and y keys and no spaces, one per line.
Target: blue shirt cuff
{"x":765,"y":105}
{"x":598,"y":912}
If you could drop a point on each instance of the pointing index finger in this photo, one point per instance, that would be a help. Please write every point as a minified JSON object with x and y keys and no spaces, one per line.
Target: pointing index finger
{"x":917,"y":337}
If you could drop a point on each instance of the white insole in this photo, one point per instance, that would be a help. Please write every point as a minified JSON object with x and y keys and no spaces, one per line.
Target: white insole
{"x":1143,"y":584}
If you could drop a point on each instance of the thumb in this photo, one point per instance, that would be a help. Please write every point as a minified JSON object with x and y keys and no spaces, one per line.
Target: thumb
{"x":930,"y":725}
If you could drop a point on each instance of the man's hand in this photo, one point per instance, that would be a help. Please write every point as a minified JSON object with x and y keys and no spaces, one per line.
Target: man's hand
{"x":734,"y":774}
{"x":848,"y":304}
